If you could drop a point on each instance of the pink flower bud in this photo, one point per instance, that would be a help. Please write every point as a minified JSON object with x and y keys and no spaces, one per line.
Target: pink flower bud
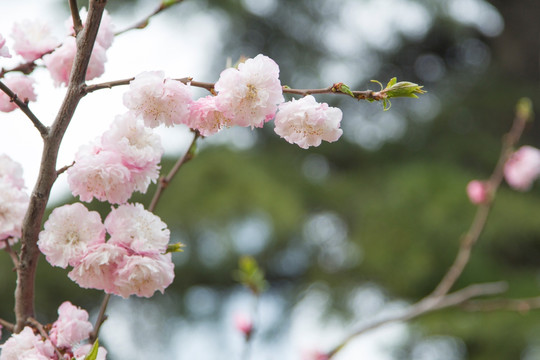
{"x":243,"y":323}
{"x":478,"y":192}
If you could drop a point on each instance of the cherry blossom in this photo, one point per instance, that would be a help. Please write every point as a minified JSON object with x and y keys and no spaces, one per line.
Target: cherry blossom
{"x":137,"y":229}
{"x":243,"y":323}
{"x":144,"y":275}
{"x":13,"y":206}
{"x":477,"y":191}
{"x":249,"y":95}
{"x":101,"y":174}
{"x":522,"y":168}
{"x":4,"y":51}
{"x":158,"y":100}
{"x":139,"y":146}
{"x":33,"y":39}
{"x":72,"y":326}
{"x":27,"y":345}
{"x":68,"y":233}
{"x":60,"y":61}
{"x":206,"y":118}
{"x":306,"y":122}
{"x":11,"y":172}
{"x":97,"y":269}
{"x":21,"y":85}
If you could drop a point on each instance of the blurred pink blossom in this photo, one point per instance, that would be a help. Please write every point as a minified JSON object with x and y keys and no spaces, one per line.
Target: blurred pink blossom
{"x":522,"y":168}
{"x":21,"y":85}
{"x":4,"y":51}
{"x":33,"y":39}
{"x":306,"y":122}
{"x":60,"y":61}
{"x":243,"y":323}
{"x":249,"y":95}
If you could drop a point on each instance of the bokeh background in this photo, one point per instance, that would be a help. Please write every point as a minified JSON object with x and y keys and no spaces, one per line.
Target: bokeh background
{"x":346,"y":232}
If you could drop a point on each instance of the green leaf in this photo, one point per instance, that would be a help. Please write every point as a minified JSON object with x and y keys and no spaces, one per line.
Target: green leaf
{"x":167,"y":3}
{"x":250,"y":275}
{"x":392,"y":82}
{"x":92,"y":355}
{"x":345,"y":89}
{"x":524,"y":109}
{"x":171,"y":248}
{"x":378,"y":82}
{"x":402,"y":89}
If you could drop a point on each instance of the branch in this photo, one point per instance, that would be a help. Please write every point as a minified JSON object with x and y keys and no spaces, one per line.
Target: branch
{"x":519,"y":305}
{"x":165,"y":4}
{"x":23,"y":105}
{"x":24,"y":292}
{"x":439,"y":297}
{"x":43,"y":333}
{"x":164,"y":181}
{"x":25,"y":68}
{"x":77,"y":23}
{"x":12,"y":254}
{"x":7,"y":325}
{"x":480,"y":218}
{"x":426,"y":306}
{"x":100,"y":319}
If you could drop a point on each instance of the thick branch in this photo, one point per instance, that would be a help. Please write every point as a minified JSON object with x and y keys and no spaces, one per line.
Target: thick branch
{"x":24,"y":292}
{"x":23,"y":105}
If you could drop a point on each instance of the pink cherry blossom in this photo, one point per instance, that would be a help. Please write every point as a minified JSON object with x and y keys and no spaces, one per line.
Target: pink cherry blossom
{"x":27,"y":345}
{"x":477,"y":191}
{"x":81,"y":352}
{"x":105,"y":35}
{"x":97,"y":269}
{"x":68,"y":233}
{"x":4,"y":51}
{"x":33,"y":39}
{"x":139,"y":146}
{"x":206,"y":118}
{"x":72,"y":326}
{"x":144,"y":275}
{"x":137,"y":229}
{"x":21,"y":85}
{"x":306,"y":122}
{"x":522,"y":168}
{"x":60,"y":61}
{"x":158,"y":100}
{"x":250,"y":94}
{"x":11,"y":172}
{"x":13,"y":206}
{"x":243,"y":323}
{"x":101,"y":174}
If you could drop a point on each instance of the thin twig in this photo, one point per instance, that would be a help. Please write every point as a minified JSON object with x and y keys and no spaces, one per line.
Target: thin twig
{"x":425,"y":306}
{"x":77,"y":23}
{"x":100,"y":319}
{"x":519,"y":305}
{"x":12,"y":254}
{"x":478,"y":224}
{"x":144,"y":22}
{"x":25,"y":68}
{"x":64,"y":168}
{"x":23,"y":105}
{"x":43,"y":333}
{"x":7,"y":325}
{"x":164,"y":181}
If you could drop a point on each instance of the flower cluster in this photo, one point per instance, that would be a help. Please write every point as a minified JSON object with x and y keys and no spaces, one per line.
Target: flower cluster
{"x":131,"y":262}
{"x":125,"y":159}
{"x":13,"y":201}
{"x":23,"y":86}
{"x":66,"y":337}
